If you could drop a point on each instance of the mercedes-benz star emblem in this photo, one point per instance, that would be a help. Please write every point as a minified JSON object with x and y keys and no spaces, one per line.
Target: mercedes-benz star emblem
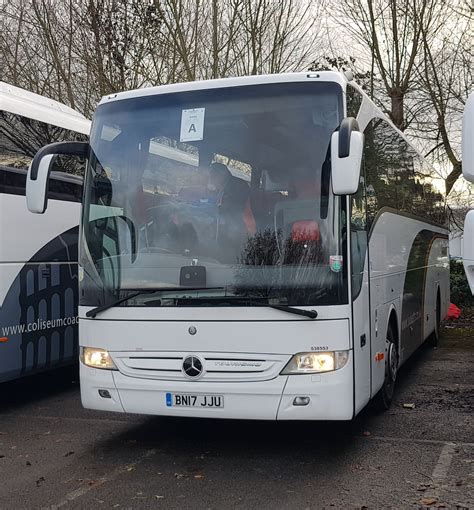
{"x":192,"y":330}
{"x":192,"y":366}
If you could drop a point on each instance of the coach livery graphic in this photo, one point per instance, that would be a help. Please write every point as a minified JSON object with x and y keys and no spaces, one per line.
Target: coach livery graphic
{"x":38,"y":254}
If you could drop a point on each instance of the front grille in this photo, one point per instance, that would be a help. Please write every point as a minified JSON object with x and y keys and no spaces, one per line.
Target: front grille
{"x":228,"y":367}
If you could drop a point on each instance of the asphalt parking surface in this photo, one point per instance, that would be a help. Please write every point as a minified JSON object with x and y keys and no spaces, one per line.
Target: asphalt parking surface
{"x":55,"y":454}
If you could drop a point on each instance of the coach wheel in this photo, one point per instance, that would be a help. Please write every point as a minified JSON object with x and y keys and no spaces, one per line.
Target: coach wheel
{"x":384,"y":397}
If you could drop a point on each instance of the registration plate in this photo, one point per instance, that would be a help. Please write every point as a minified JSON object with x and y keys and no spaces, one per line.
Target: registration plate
{"x":190,"y":400}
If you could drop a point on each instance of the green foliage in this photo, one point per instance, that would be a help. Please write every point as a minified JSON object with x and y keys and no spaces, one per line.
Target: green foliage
{"x":460,"y":291}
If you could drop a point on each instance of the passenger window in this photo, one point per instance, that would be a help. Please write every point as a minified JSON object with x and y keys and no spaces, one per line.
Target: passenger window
{"x":65,"y":189}
{"x":65,"y":182}
{"x":358,"y":237}
{"x":396,"y":178}
{"x":354,"y":101}
{"x":12,"y":180}
{"x":20,"y":139}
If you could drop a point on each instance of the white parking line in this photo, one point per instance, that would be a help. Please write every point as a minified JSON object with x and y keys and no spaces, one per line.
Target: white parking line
{"x":81,"y":491}
{"x":440,"y":472}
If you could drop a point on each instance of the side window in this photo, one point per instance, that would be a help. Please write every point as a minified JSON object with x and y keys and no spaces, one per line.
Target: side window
{"x":20,"y":139}
{"x":397,"y":177}
{"x":375,"y":190}
{"x":354,"y":100}
{"x":12,"y":180}
{"x":431,"y":199}
{"x":70,"y":165}
{"x":358,"y":236}
{"x":65,"y":188}
{"x":389,"y":167}
{"x":104,"y":246}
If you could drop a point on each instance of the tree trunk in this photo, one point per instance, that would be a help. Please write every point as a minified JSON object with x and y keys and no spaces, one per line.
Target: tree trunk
{"x":397,"y":108}
{"x":453,"y":176}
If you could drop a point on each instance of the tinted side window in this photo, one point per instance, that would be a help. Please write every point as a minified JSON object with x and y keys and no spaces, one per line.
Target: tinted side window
{"x":354,"y":100}
{"x":358,"y":237}
{"x":432,"y":201}
{"x":20,"y":139}
{"x":397,"y":177}
{"x":12,"y":180}
{"x":65,"y":189}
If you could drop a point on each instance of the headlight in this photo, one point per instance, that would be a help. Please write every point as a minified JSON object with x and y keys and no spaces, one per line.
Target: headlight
{"x":97,"y":358}
{"x":316,"y":362}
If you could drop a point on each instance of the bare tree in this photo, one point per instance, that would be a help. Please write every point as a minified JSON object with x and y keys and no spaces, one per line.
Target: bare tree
{"x":217,"y":39}
{"x":79,"y":50}
{"x":446,"y":79}
{"x":277,"y":36}
{"x":391,"y":31}
{"x":421,"y":52}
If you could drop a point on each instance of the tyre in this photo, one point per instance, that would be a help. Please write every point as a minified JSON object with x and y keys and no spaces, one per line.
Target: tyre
{"x":384,"y":397}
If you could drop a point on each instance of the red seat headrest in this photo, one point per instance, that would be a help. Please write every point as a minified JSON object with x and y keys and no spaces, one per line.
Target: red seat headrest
{"x":305,"y":230}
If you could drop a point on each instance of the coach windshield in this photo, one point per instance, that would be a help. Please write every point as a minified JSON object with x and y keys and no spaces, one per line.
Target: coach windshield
{"x":217,"y":196}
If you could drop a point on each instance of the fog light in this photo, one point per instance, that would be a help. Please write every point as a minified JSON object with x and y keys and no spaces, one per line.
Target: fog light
{"x":105,"y":394}
{"x":301,"y":401}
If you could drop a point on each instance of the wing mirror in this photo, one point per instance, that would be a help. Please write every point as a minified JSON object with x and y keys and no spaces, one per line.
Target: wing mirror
{"x":40,"y":169}
{"x":468,"y":139}
{"x":347,"y":145}
{"x":468,"y":249}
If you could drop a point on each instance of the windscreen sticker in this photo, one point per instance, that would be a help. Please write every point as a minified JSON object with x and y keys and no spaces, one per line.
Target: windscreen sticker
{"x":192,"y":125}
{"x":336,"y":262}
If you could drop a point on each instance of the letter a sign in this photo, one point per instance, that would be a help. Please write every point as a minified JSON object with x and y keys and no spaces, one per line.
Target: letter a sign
{"x":192,"y":125}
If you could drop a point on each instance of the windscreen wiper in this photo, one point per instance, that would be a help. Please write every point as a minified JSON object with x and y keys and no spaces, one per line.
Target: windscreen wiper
{"x":311,"y":314}
{"x":92,"y":313}
{"x":98,"y":309}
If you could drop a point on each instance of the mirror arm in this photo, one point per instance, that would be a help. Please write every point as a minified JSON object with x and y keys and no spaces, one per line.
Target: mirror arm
{"x":58,"y":148}
{"x":348,"y":125}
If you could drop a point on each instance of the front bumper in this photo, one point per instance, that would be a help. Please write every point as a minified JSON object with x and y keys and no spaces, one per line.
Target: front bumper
{"x":331,"y":395}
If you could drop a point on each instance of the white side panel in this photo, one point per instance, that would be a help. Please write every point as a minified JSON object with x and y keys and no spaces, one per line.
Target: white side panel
{"x":23,"y":234}
{"x":38,"y":286}
{"x":399,"y":243}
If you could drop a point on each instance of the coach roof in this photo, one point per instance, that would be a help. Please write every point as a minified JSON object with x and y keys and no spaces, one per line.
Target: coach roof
{"x":28,"y":104}
{"x":307,"y":76}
